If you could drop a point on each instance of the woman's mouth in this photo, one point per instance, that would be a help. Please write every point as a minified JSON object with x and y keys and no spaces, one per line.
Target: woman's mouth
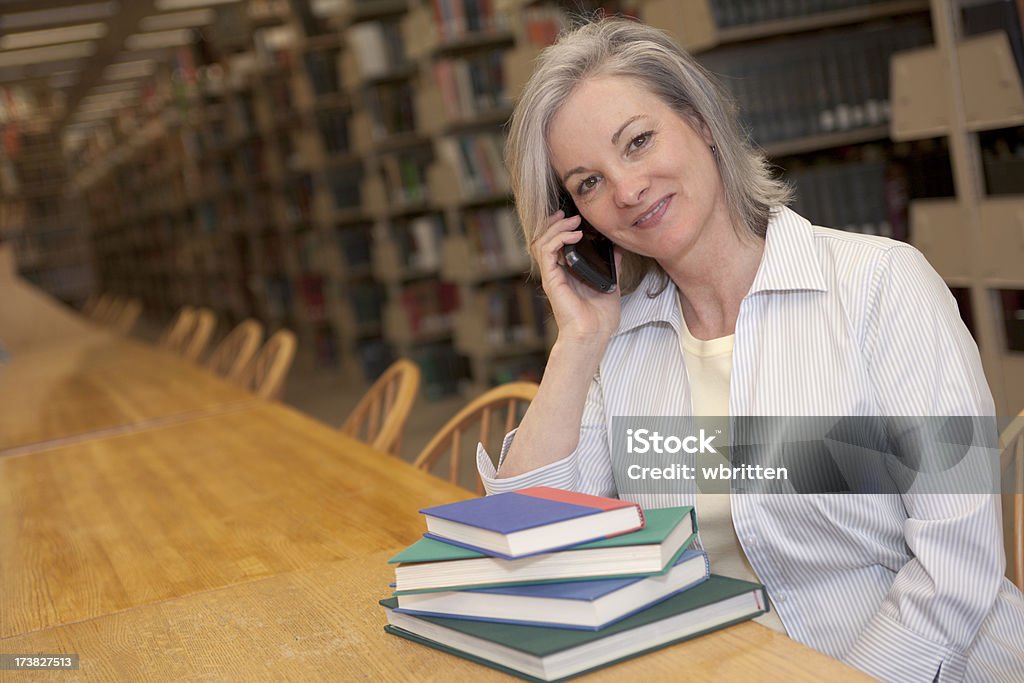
{"x":651,"y":216}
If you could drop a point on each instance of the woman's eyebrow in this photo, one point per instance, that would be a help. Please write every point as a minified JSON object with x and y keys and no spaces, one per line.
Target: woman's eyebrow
{"x":618,"y":133}
{"x":615,"y":141}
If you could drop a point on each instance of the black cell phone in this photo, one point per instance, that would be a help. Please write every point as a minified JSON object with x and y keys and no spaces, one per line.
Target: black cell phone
{"x":592,"y":259}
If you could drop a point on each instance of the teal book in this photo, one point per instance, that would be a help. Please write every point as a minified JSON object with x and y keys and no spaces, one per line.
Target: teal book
{"x":430,"y":564}
{"x":551,"y":654}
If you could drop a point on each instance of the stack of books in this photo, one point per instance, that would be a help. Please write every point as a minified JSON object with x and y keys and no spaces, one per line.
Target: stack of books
{"x":547,"y":584}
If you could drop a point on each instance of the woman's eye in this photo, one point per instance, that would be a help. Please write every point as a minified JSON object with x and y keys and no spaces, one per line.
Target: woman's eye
{"x":640,"y":141}
{"x":586,"y":185}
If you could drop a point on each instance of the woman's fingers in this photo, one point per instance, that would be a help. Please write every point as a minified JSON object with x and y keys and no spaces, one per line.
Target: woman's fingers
{"x":557,"y":234}
{"x":551,"y":255}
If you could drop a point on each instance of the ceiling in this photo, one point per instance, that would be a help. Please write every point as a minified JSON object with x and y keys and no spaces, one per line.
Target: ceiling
{"x":94,"y":51}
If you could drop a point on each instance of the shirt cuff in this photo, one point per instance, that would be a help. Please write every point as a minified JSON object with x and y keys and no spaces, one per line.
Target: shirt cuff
{"x":890,"y":652}
{"x":561,"y":474}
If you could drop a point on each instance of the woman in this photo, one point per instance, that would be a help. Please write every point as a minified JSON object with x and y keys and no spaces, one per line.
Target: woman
{"x":731,"y":304}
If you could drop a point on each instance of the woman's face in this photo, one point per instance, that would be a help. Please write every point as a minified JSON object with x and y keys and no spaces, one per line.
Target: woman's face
{"x":640,"y":173}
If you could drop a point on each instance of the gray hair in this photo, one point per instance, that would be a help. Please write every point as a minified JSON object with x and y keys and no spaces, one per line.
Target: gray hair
{"x":621,"y":47}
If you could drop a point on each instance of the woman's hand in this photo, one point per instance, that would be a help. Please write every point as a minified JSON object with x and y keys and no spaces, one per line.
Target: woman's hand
{"x":583,"y":314}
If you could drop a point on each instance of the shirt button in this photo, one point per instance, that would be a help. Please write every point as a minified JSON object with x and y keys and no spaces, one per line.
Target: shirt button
{"x":780,"y":597}
{"x":751,"y":540}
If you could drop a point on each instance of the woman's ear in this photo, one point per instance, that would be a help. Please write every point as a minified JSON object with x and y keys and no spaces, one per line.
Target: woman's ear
{"x":705,"y":133}
{"x":696,"y":122}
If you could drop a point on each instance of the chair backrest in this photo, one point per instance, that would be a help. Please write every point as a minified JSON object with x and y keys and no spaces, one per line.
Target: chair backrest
{"x":506,"y":397}
{"x":90,"y":304}
{"x":379,"y":417}
{"x":125,"y":321}
{"x":103,"y":308}
{"x":230,"y":357}
{"x":175,"y":334}
{"x":266,"y":374}
{"x":1012,"y":468}
{"x":198,"y":338}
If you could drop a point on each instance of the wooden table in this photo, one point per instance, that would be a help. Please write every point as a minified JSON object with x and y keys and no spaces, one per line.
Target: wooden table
{"x":252,"y":545}
{"x":98,"y":385}
{"x":29,"y":318}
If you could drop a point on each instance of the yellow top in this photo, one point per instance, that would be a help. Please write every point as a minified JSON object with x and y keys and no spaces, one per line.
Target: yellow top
{"x":708,"y":366}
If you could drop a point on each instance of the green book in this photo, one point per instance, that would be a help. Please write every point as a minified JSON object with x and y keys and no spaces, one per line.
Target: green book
{"x":549,"y":654}
{"x":430,"y":564}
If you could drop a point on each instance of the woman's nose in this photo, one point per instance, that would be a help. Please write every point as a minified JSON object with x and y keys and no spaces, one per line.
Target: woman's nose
{"x":630,"y":190}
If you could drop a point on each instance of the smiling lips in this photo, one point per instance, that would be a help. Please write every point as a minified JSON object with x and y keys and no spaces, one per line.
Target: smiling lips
{"x":651,"y":216}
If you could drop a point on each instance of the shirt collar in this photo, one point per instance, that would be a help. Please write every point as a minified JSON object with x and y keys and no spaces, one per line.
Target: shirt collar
{"x":789,"y":263}
{"x":790,"y":260}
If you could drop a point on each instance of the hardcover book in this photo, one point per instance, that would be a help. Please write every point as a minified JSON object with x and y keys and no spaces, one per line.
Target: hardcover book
{"x":429,"y":564}
{"x":549,"y":654}
{"x":532,"y":520}
{"x":591,"y":605}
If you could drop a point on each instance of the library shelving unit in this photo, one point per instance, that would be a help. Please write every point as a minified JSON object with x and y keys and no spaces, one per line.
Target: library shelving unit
{"x":909,"y":135}
{"x":339,"y":169}
{"x":812,"y":84}
{"x":325,"y":167}
{"x":50,"y":243}
{"x":396,"y":117}
{"x":445,"y":239}
{"x":975,"y":240}
{"x":499,"y":324}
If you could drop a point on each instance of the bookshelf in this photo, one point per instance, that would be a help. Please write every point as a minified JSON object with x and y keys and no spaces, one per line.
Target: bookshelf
{"x":500,"y":325}
{"x":49,"y":242}
{"x":343,"y":174}
{"x":974,"y":238}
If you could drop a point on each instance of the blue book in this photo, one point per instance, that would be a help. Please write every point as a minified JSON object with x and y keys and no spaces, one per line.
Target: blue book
{"x":586,"y":605}
{"x":530,"y":521}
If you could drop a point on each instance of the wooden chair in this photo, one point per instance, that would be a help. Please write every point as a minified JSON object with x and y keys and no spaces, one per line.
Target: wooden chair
{"x":90,"y":305}
{"x":266,"y":374}
{"x":113,"y":312}
{"x":1012,"y":468}
{"x":380,"y":416}
{"x":175,"y":334}
{"x":125,"y":320}
{"x":198,"y":338}
{"x":100,"y":312}
{"x":231,"y":356}
{"x":506,"y":397}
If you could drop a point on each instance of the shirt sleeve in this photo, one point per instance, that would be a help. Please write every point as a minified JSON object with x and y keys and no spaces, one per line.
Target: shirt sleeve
{"x":923,"y":363}
{"x":588,"y":469}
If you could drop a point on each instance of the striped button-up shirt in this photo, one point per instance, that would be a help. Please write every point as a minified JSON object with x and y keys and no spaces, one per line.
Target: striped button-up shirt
{"x":904,"y":587}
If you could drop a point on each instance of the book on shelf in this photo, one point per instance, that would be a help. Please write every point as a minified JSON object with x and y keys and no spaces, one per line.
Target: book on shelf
{"x":441,"y":367}
{"x":588,"y":604}
{"x":548,"y":654}
{"x":427,"y":307}
{"x":476,"y":158}
{"x":375,"y":356}
{"x":322,"y":67}
{"x":378,"y":47}
{"x":816,"y":84}
{"x":425,"y":234}
{"x":391,"y":109}
{"x":333,"y":125}
{"x":430,"y":564}
{"x":472,"y":85}
{"x":732,"y":13}
{"x":495,"y":238}
{"x":531,"y":520}
{"x":367,"y":299}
